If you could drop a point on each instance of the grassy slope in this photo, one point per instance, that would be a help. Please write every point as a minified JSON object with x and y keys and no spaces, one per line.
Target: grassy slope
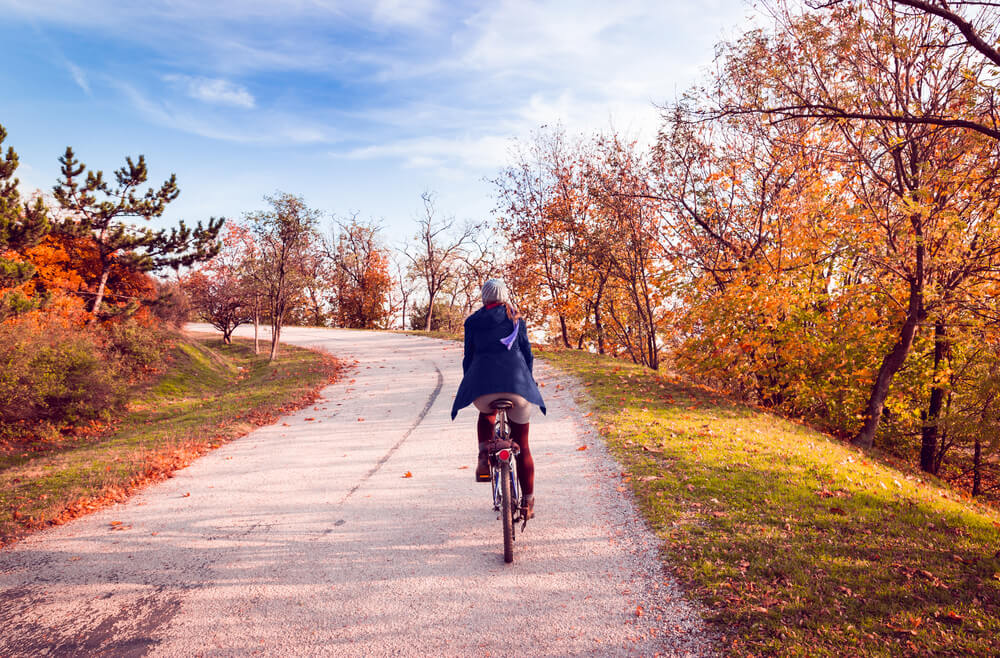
{"x":208,"y":394}
{"x":798,"y":544}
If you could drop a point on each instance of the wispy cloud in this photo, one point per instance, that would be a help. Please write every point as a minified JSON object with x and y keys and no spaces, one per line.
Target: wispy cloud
{"x":269,"y":128}
{"x":410,"y":13}
{"x":478,"y":152}
{"x":79,"y":77}
{"x":214,"y":90}
{"x":436,"y":87}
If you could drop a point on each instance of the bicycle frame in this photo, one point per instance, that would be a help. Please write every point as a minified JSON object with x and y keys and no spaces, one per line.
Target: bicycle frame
{"x":502,"y":435}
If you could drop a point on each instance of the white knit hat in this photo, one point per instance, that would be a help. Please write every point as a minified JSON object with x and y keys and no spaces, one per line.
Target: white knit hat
{"x":495,"y":290}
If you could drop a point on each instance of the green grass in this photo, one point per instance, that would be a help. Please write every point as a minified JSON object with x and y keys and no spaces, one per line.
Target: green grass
{"x":209,"y":393}
{"x":796,"y":543}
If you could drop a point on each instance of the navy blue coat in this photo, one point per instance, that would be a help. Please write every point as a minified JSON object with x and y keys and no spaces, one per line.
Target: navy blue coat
{"x":489,"y":366}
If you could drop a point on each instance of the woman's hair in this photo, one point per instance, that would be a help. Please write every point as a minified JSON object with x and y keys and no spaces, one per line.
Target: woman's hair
{"x":495,"y":290}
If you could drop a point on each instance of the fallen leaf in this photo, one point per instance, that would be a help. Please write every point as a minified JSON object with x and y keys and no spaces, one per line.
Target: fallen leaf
{"x":310,"y":419}
{"x":582,"y":448}
{"x":407,"y":474}
{"x":361,"y":420}
{"x":187,"y":495}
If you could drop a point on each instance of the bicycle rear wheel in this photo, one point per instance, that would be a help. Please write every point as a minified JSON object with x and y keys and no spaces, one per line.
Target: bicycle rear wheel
{"x":506,"y":512}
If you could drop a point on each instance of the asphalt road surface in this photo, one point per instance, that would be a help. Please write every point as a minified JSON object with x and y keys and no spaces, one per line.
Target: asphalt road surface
{"x":307,"y":538}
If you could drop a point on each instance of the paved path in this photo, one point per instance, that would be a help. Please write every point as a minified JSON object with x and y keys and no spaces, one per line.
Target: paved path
{"x":305,"y":538}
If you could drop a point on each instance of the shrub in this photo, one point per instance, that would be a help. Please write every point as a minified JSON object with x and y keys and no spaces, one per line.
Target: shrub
{"x":52,"y":373}
{"x":172,"y":306}
{"x":56,"y":373}
{"x":134,"y":350}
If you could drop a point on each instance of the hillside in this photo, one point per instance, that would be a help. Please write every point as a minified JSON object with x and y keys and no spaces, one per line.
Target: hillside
{"x":207,"y":394}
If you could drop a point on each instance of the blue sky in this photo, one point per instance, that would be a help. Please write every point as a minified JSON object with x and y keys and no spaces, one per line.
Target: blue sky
{"x":356,"y":106}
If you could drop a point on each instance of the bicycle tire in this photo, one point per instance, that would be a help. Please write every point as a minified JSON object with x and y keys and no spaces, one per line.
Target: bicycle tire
{"x":507,"y":513}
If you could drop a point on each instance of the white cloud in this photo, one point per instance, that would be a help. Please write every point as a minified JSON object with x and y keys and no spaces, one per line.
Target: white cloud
{"x":408,"y":13}
{"x":266,"y":129}
{"x":482,"y":152}
{"x":214,"y":90}
{"x":79,"y":77}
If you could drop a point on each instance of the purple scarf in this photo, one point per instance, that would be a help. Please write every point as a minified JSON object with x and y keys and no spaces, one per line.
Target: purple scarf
{"x":508,"y":341}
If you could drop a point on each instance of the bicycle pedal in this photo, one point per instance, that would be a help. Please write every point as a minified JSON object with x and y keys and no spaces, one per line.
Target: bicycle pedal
{"x":483,"y":478}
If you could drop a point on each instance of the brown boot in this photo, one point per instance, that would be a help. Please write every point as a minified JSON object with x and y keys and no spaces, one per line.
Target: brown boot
{"x":484,"y":431}
{"x":483,"y":467}
{"x":528,"y":507}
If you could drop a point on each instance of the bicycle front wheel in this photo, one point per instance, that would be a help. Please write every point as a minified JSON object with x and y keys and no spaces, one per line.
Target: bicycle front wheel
{"x":506,"y":512}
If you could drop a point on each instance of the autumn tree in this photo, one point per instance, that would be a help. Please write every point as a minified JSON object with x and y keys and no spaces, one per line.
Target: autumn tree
{"x":22,"y":224}
{"x":630,"y":246}
{"x":220,"y":288}
{"x":909,"y":180}
{"x":541,"y":208}
{"x":285,"y":235}
{"x":971,"y":32}
{"x":360,"y":278}
{"x":436,"y":253}
{"x":100,"y":210}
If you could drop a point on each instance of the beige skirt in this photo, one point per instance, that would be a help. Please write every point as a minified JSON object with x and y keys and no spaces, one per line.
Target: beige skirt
{"x":520,"y":413}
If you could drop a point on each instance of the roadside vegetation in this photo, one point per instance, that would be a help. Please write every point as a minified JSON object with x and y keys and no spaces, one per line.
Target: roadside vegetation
{"x":208,"y":393}
{"x":798,"y":544}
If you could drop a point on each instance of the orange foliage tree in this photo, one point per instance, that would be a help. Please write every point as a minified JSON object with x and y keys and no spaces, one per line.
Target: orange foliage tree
{"x":360,"y":282}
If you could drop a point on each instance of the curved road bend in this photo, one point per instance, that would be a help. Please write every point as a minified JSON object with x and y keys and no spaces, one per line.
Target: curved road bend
{"x":305,"y":538}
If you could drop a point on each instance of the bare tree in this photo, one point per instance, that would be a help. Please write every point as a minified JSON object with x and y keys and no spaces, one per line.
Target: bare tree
{"x":285,"y":234}
{"x":438,"y":253}
{"x":404,"y":287}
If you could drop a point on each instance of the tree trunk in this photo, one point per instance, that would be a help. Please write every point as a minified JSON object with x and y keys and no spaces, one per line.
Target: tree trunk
{"x":977,"y":460}
{"x":227,"y":335}
{"x":929,"y":432}
{"x":100,"y":295}
{"x":256,"y":324}
{"x":891,"y":364}
{"x":565,"y":332}
{"x":598,"y":327}
{"x":275,"y":336}
{"x":430,"y":312}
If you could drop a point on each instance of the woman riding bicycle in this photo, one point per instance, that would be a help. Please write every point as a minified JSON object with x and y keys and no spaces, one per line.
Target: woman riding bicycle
{"x":498,"y":364}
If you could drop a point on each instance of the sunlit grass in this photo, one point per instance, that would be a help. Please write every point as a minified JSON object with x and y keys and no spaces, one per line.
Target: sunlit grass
{"x":796,"y":543}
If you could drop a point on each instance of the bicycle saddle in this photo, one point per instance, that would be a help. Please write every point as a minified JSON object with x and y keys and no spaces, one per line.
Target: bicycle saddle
{"x":501,"y":404}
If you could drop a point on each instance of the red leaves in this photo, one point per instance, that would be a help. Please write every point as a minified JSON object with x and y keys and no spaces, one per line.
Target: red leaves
{"x":407,"y":474}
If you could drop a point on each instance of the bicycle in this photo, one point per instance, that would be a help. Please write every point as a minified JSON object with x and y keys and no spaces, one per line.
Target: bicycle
{"x":503,"y":474}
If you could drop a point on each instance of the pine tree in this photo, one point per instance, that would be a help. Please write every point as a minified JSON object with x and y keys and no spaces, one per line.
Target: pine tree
{"x":22,"y":225}
{"x":100,"y":210}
